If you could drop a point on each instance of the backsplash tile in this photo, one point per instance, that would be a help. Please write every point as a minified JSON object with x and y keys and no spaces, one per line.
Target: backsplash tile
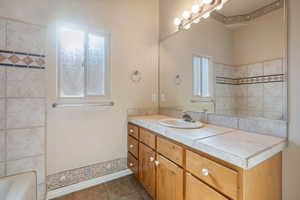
{"x":226,"y":121}
{"x":25,"y":143}
{"x":70,"y":177}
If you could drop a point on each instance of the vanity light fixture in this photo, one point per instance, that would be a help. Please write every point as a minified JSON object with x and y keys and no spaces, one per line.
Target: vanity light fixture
{"x":195,"y":8}
{"x":201,"y":10}
{"x":186,"y":15}
{"x":207,"y":1}
{"x":177,"y":21}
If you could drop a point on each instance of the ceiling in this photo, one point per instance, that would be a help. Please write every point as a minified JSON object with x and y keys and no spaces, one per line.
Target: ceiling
{"x":240,"y":7}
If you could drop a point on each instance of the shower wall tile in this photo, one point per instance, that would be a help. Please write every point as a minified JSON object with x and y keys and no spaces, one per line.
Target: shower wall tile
{"x":255,"y":90}
{"x":2,"y":146}
{"x":255,"y":70}
{"x":24,"y":82}
{"x":242,"y":71}
{"x":273,"y":67}
{"x":24,"y":113}
{"x":2,"y":82}
{"x":27,"y":38}
{"x":28,"y":164}
{"x":241,"y":90}
{"x":2,"y":34}
{"x":2,"y":114}
{"x":255,"y":104}
{"x":273,"y":115}
{"x":2,"y":169}
{"x":41,"y":191}
{"x":273,"y":89}
{"x":25,"y":143}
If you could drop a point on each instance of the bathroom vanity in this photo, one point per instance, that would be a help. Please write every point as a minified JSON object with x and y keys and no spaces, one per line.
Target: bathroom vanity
{"x":210,"y":163}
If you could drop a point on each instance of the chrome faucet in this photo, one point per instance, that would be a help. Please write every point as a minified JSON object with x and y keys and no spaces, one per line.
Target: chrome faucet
{"x":186,"y":117}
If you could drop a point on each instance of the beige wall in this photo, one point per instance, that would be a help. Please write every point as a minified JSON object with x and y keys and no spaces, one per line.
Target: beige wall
{"x":84,"y":136}
{"x":260,"y":39}
{"x":208,"y":38}
{"x":292,"y":154}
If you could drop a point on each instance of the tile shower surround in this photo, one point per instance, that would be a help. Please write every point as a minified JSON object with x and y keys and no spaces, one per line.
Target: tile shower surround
{"x":256,"y":90}
{"x":22,"y":100}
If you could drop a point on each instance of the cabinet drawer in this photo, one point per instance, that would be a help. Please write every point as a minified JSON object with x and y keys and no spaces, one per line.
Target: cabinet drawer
{"x":133,"y":131}
{"x":196,"y":189}
{"x":133,"y":146}
{"x":133,"y":165}
{"x":214,"y":174}
{"x":170,"y":150}
{"x":147,"y":138}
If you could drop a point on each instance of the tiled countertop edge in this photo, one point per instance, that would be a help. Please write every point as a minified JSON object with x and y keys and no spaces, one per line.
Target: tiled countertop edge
{"x":245,"y":163}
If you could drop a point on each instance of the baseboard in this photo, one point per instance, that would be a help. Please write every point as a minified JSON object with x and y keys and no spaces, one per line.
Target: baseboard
{"x":86,"y":184}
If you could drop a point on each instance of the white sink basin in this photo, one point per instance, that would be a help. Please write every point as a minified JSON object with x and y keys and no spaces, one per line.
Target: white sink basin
{"x":180,"y":123}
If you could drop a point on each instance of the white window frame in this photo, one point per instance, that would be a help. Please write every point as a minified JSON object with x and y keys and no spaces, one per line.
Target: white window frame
{"x":107,"y":76}
{"x":211,"y":80}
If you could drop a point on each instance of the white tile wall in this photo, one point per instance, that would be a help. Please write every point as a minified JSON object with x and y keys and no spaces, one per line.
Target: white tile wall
{"x":273,"y":67}
{"x":255,"y":70}
{"x":2,"y":82}
{"x":273,"y":89}
{"x":25,"y":82}
{"x":2,"y":114}
{"x":28,"y":164}
{"x":2,"y":34}
{"x":24,"y":113}
{"x":25,"y":38}
{"x":25,"y":142}
{"x":2,"y":169}
{"x":2,"y":146}
{"x":242,"y":71}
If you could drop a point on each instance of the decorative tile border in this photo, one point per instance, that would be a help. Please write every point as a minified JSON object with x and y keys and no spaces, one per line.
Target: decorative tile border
{"x":250,"y":16}
{"x":252,"y":80}
{"x":23,"y":60}
{"x":73,"y":176}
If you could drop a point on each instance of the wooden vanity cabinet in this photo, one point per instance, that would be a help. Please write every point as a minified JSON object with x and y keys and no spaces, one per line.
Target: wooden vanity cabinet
{"x":147,"y":168}
{"x":169,"y":178}
{"x":169,"y":170}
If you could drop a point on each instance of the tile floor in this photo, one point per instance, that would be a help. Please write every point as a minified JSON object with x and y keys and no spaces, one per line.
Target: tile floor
{"x":126,"y":188}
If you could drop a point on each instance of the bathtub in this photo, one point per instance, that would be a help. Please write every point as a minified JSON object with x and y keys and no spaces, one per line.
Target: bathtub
{"x":18,"y":187}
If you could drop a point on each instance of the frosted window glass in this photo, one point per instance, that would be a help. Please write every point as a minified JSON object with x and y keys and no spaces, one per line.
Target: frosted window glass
{"x":200,"y":76}
{"x":71,"y":59}
{"x":96,"y":65}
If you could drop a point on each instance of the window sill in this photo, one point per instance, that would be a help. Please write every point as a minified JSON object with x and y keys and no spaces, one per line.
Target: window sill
{"x":78,"y":105}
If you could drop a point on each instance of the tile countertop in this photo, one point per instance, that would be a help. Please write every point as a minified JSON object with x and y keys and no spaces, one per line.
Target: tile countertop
{"x":239,"y":148}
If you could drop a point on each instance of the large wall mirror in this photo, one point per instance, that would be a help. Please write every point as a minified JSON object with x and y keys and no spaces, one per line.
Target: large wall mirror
{"x":231,"y":63}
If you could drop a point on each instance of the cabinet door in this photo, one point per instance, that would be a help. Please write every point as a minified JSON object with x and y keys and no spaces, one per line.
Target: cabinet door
{"x":169,"y":180}
{"x":196,"y":190}
{"x":147,"y":168}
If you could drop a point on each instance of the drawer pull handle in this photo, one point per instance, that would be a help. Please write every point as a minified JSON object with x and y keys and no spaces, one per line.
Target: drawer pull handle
{"x":151,"y":159}
{"x":131,"y":146}
{"x":156,"y":163}
{"x":131,"y":164}
{"x":131,"y":130}
{"x":205,"y":172}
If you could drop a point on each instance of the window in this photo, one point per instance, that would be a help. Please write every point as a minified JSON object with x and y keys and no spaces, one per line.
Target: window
{"x":201,"y":79}
{"x":83,"y":63}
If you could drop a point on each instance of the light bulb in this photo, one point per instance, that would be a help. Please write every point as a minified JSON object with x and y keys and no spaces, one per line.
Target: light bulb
{"x":195,"y":8}
{"x":207,"y":1}
{"x":186,"y":27}
{"x":186,"y":15}
{"x":206,"y":15}
{"x":196,"y":21}
{"x":219,"y":7}
{"x":177,"y":21}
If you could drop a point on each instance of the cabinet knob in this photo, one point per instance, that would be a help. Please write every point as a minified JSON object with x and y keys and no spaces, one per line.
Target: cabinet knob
{"x":131,"y":146}
{"x":156,"y":163}
{"x":151,"y":159}
{"x":205,"y":172}
{"x":131,"y":164}
{"x":131,"y":131}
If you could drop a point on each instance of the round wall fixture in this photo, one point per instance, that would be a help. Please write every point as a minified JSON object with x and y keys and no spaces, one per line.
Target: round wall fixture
{"x":136,"y":76}
{"x":178,"y":79}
